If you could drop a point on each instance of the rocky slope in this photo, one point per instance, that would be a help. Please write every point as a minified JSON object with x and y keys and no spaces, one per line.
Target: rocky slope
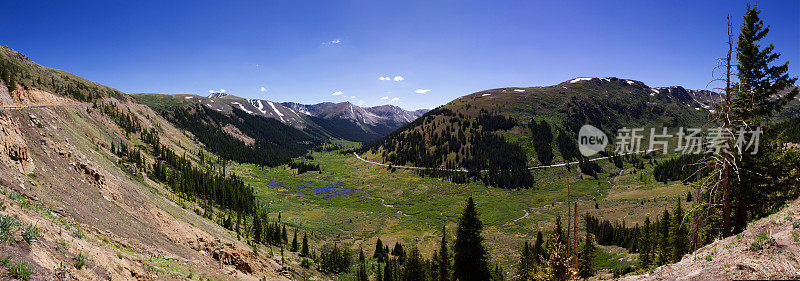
{"x":57,"y":173}
{"x":767,"y":250}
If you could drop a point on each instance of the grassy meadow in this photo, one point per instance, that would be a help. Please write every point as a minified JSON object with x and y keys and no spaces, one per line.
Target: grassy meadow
{"x":352,"y":203}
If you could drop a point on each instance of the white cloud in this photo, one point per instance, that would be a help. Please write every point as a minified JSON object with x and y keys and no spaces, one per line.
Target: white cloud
{"x":210,"y":91}
{"x":352,"y":97}
{"x":385,"y":98}
{"x":337,"y":93}
{"x":360,"y":102}
{"x":263,"y":89}
{"x":397,"y":78}
{"x":422,"y":91}
{"x":394,"y":100}
{"x":221,"y":90}
{"x":217,"y":91}
{"x":332,"y":42}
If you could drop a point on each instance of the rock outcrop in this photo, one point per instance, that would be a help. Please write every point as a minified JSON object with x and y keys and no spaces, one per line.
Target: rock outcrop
{"x":13,"y":149}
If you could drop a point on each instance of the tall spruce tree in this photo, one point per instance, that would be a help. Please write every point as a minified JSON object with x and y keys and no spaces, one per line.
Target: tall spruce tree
{"x":444,"y":259}
{"x":469,"y":255}
{"x":295,"y":246}
{"x":538,"y":248}
{"x":304,"y":251}
{"x":257,"y":232}
{"x":586,"y":262}
{"x":361,"y":275}
{"x":679,"y":233}
{"x":378,"y":255}
{"x":527,"y":262}
{"x":414,"y":266}
{"x":645,"y":245}
{"x":664,"y":251}
{"x":762,"y":91}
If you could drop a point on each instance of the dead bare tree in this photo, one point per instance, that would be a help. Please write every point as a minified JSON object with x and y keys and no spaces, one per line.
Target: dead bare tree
{"x":722,"y":164}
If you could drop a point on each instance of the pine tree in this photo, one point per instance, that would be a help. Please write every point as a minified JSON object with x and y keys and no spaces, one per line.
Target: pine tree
{"x":761,"y":84}
{"x":538,"y":248}
{"x":645,"y":246}
{"x":257,"y":228}
{"x":761,"y":93}
{"x":295,"y":246}
{"x":304,"y":251}
{"x":414,"y":266}
{"x":444,"y":259}
{"x":527,"y":262}
{"x":378,"y":255}
{"x":559,"y":231}
{"x":664,"y":251}
{"x":361,"y":275}
{"x":586,"y":261}
{"x":284,"y":236}
{"x":398,"y":252}
{"x":469,"y":255}
{"x":557,"y":266}
{"x":679,"y":234}
{"x":390,"y":270}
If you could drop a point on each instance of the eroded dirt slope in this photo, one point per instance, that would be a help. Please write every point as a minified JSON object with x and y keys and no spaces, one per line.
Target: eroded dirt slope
{"x":57,"y":173}
{"x":768,"y":249}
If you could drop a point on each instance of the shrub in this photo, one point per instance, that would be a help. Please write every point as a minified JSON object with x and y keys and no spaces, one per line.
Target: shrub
{"x":5,"y":260}
{"x":7,"y":225}
{"x":762,"y":241}
{"x":31,"y":233}
{"x":80,"y":260}
{"x":20,"y":270}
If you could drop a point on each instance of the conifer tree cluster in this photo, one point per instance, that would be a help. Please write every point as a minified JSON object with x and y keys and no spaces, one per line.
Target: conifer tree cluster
{"x":663,"y":241}
{"x":275,"y":143}
{"x":682,"y":168}
{"x":471,"y":143}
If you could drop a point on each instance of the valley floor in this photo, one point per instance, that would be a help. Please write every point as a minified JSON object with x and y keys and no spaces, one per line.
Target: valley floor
{"x":351,"y":202}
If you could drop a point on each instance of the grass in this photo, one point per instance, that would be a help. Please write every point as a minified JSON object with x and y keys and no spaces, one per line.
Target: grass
{"x":80,"y":260}
{"x":7,"y":225}
{"x":421,"y":206}
{"x":762,"y":241}
{"x":20,"y":270}
{"x":31,"y":233}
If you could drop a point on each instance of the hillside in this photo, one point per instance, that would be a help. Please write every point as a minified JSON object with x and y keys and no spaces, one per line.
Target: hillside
{"x":233,"y":133}
{"x":79,"y":197}
{"x":767,"y":249}
{"x":505,"y":130}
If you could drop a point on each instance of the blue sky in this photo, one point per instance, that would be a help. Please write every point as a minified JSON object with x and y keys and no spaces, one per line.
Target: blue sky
{"x":306,"y":51}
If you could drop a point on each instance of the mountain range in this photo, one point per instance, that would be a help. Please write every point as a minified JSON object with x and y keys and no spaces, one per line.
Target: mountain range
{"x":337,"y":120}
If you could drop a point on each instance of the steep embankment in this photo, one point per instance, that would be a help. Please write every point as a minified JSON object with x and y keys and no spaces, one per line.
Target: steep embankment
{"x":58,"y":175}
{"x":767,"y":249}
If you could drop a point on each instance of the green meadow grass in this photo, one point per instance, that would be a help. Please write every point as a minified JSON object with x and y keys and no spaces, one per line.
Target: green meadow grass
{"x":427,"y":204}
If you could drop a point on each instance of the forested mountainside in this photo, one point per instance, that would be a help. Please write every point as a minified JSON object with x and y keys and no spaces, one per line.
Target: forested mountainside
{"x":322,"y":121}
{"x":504,"y":130}
{"x":97,"y":186}
{"x":235,"y":135}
